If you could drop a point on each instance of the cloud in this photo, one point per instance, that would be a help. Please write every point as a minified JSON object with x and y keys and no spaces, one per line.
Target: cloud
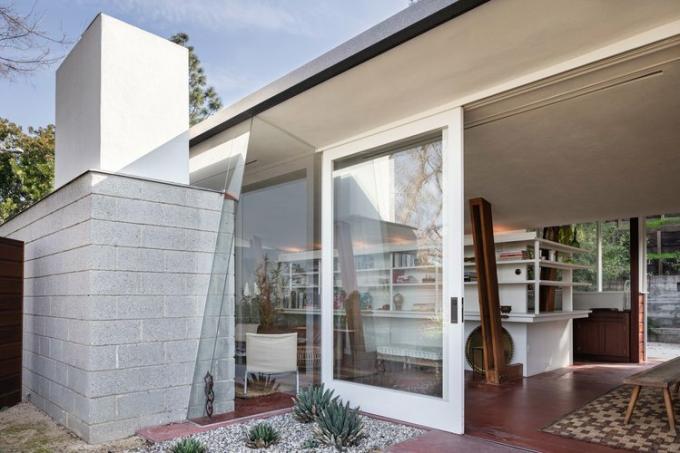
{"x":217,"y":14}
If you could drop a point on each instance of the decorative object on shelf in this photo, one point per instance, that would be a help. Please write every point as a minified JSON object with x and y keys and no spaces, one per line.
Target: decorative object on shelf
{"x":404,"y":278}
{"x":506,"y":309}
{"x":474,"y":340}
{"x":398,"y":300}
{"x":339,"y":297}
{"x":429,"y":279}
{"x":366,"y":301}
{"x":386,"y":307}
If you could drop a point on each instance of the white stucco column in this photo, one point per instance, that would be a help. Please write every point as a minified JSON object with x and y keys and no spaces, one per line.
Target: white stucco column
{"x":122,"y":105}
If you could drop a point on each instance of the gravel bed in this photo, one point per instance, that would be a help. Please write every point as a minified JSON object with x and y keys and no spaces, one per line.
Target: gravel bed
{"x":380,"y":434}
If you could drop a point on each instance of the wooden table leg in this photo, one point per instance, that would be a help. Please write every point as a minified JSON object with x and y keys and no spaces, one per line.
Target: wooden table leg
{"x":669,"y":409}
{"x":631,"y":404}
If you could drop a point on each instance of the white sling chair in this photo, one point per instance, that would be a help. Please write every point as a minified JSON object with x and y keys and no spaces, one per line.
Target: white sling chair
{"x":271,"y":354}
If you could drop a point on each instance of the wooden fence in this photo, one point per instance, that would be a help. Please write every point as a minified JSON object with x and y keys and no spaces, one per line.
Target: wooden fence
{"x":11,"y":319}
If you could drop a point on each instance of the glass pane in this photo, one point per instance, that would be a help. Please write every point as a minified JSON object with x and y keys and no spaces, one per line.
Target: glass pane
{"x":388,"y":268}
{"x":277,"y":255}
{"x":211,"y":389}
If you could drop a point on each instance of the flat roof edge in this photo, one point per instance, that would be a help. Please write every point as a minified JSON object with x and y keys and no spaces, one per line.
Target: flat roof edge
{"x":399,"y":36}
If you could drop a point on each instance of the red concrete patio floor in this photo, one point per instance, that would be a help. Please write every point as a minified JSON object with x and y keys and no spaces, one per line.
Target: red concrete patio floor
{"x":515,"y":413}
{"x":503,"y":418}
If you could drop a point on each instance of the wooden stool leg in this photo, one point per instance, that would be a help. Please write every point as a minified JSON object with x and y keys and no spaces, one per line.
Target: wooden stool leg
{"x":631,"y":404}
{"x":669,"y":409}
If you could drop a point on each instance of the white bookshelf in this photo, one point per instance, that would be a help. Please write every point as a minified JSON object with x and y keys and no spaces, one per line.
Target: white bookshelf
{"x":519,"y":279}
{"x":379,"y":273}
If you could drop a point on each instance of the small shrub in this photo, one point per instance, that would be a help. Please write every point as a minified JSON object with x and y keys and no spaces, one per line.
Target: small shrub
{"x":188,"y":446}
{"x":339,"y":426}
{"x":262,"y":435}
{"x":311,"y":401}
{"x":310,"y":444}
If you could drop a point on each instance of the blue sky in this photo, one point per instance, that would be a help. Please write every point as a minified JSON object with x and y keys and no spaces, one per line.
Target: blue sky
{"x":243,"y":44}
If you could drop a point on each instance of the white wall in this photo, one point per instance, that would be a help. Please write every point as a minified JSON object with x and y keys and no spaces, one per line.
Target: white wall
{"x":123,"y":105}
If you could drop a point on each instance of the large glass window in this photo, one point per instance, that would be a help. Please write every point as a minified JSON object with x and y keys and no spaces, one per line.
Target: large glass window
{"x":277,"y":256}
{"x":387,"y":268}
{"x":614,"y":242}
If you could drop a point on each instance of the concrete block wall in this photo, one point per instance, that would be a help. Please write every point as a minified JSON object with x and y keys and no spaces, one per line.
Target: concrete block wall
{"x":117,"y":273}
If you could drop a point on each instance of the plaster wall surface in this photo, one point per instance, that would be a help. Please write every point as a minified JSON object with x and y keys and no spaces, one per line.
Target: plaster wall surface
{"x":122,"y":105}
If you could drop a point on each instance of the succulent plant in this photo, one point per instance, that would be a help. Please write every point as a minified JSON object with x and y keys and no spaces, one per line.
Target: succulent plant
{"x":339,"y":426}
{"x":310,"y":444}
{"x":311,"y":401}
{"x":262,"y":435}
{"x":188,"y":445}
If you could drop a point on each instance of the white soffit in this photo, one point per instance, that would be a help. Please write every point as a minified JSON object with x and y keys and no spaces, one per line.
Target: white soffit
{"x":494,"y":43}
{"x":599,"y":142}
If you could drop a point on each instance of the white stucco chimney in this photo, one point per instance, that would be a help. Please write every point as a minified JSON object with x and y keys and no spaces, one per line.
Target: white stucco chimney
{"x":122,"y":105}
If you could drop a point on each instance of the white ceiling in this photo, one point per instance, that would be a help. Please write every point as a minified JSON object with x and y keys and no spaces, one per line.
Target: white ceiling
{"x":613,"y":153}
{"x":492,"y":44}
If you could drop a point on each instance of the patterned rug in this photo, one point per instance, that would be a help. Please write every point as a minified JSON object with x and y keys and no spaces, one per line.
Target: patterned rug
{"x":601,"y":422}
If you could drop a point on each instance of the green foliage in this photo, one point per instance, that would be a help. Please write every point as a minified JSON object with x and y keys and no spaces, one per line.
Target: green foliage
{"x":311,"y":401}
{"x":203,"y":99}
{"x":615,"y":255}
{"x":262,"y":435}
{"x":310,"y":444}
{"x":188,"y":445}
{"x":26,"y":166}
{"x":339,"y":426}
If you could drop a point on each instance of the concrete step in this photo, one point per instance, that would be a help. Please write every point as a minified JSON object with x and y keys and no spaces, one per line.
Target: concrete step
{"x":664,"y":335}
{"x":672,"y":323}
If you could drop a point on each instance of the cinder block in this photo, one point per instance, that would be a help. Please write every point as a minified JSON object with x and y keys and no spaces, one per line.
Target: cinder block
{"x":95,"y":410}
{"x":180,"y":351}
{"x":164,"y":329}
{"x":106,"y":432}
{"x":88,"y":357}
{"x":104,"y":207}
{"x":139,"y":307}
{"x":104,"y":332}
{"x":114,"y":282}
{"x":180,"y":261}
{"x":182,"y":306}
{"x":142,"y":403}
{"x":163,"y":283}
{"x":139,"y":259}
{"x":140,"y":354}
{"x":204,"y":199}
{"x":177,"y":398}
{"x":115,"y":233}
{"x":162,"y":237}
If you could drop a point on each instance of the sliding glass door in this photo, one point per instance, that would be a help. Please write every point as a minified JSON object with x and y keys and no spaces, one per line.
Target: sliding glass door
{"x":392,"y":257}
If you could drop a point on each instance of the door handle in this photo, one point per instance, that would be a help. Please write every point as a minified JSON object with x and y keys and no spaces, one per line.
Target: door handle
{"x":454,"y":309}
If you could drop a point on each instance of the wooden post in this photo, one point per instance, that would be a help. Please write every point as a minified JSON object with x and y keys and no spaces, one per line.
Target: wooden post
{"x":489,"y":299}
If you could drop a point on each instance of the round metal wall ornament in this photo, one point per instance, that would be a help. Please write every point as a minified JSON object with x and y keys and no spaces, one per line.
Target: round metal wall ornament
{"x":474,"y":343}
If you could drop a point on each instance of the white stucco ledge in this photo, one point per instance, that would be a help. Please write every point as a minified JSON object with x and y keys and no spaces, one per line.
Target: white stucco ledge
{"x":535,"y":318}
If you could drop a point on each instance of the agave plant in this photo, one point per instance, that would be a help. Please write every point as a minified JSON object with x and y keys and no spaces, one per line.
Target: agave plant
{"x":339,"y":426}
{"x":188,"y":446}
{"x":311,"y":401}
{"x":262,"y":435}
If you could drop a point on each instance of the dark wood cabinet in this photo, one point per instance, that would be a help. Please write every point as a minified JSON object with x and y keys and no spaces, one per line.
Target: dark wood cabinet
{"x":604,"y":336}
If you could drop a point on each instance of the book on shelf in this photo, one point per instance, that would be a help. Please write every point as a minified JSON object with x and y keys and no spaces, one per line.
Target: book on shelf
{"x":513,"y":255}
